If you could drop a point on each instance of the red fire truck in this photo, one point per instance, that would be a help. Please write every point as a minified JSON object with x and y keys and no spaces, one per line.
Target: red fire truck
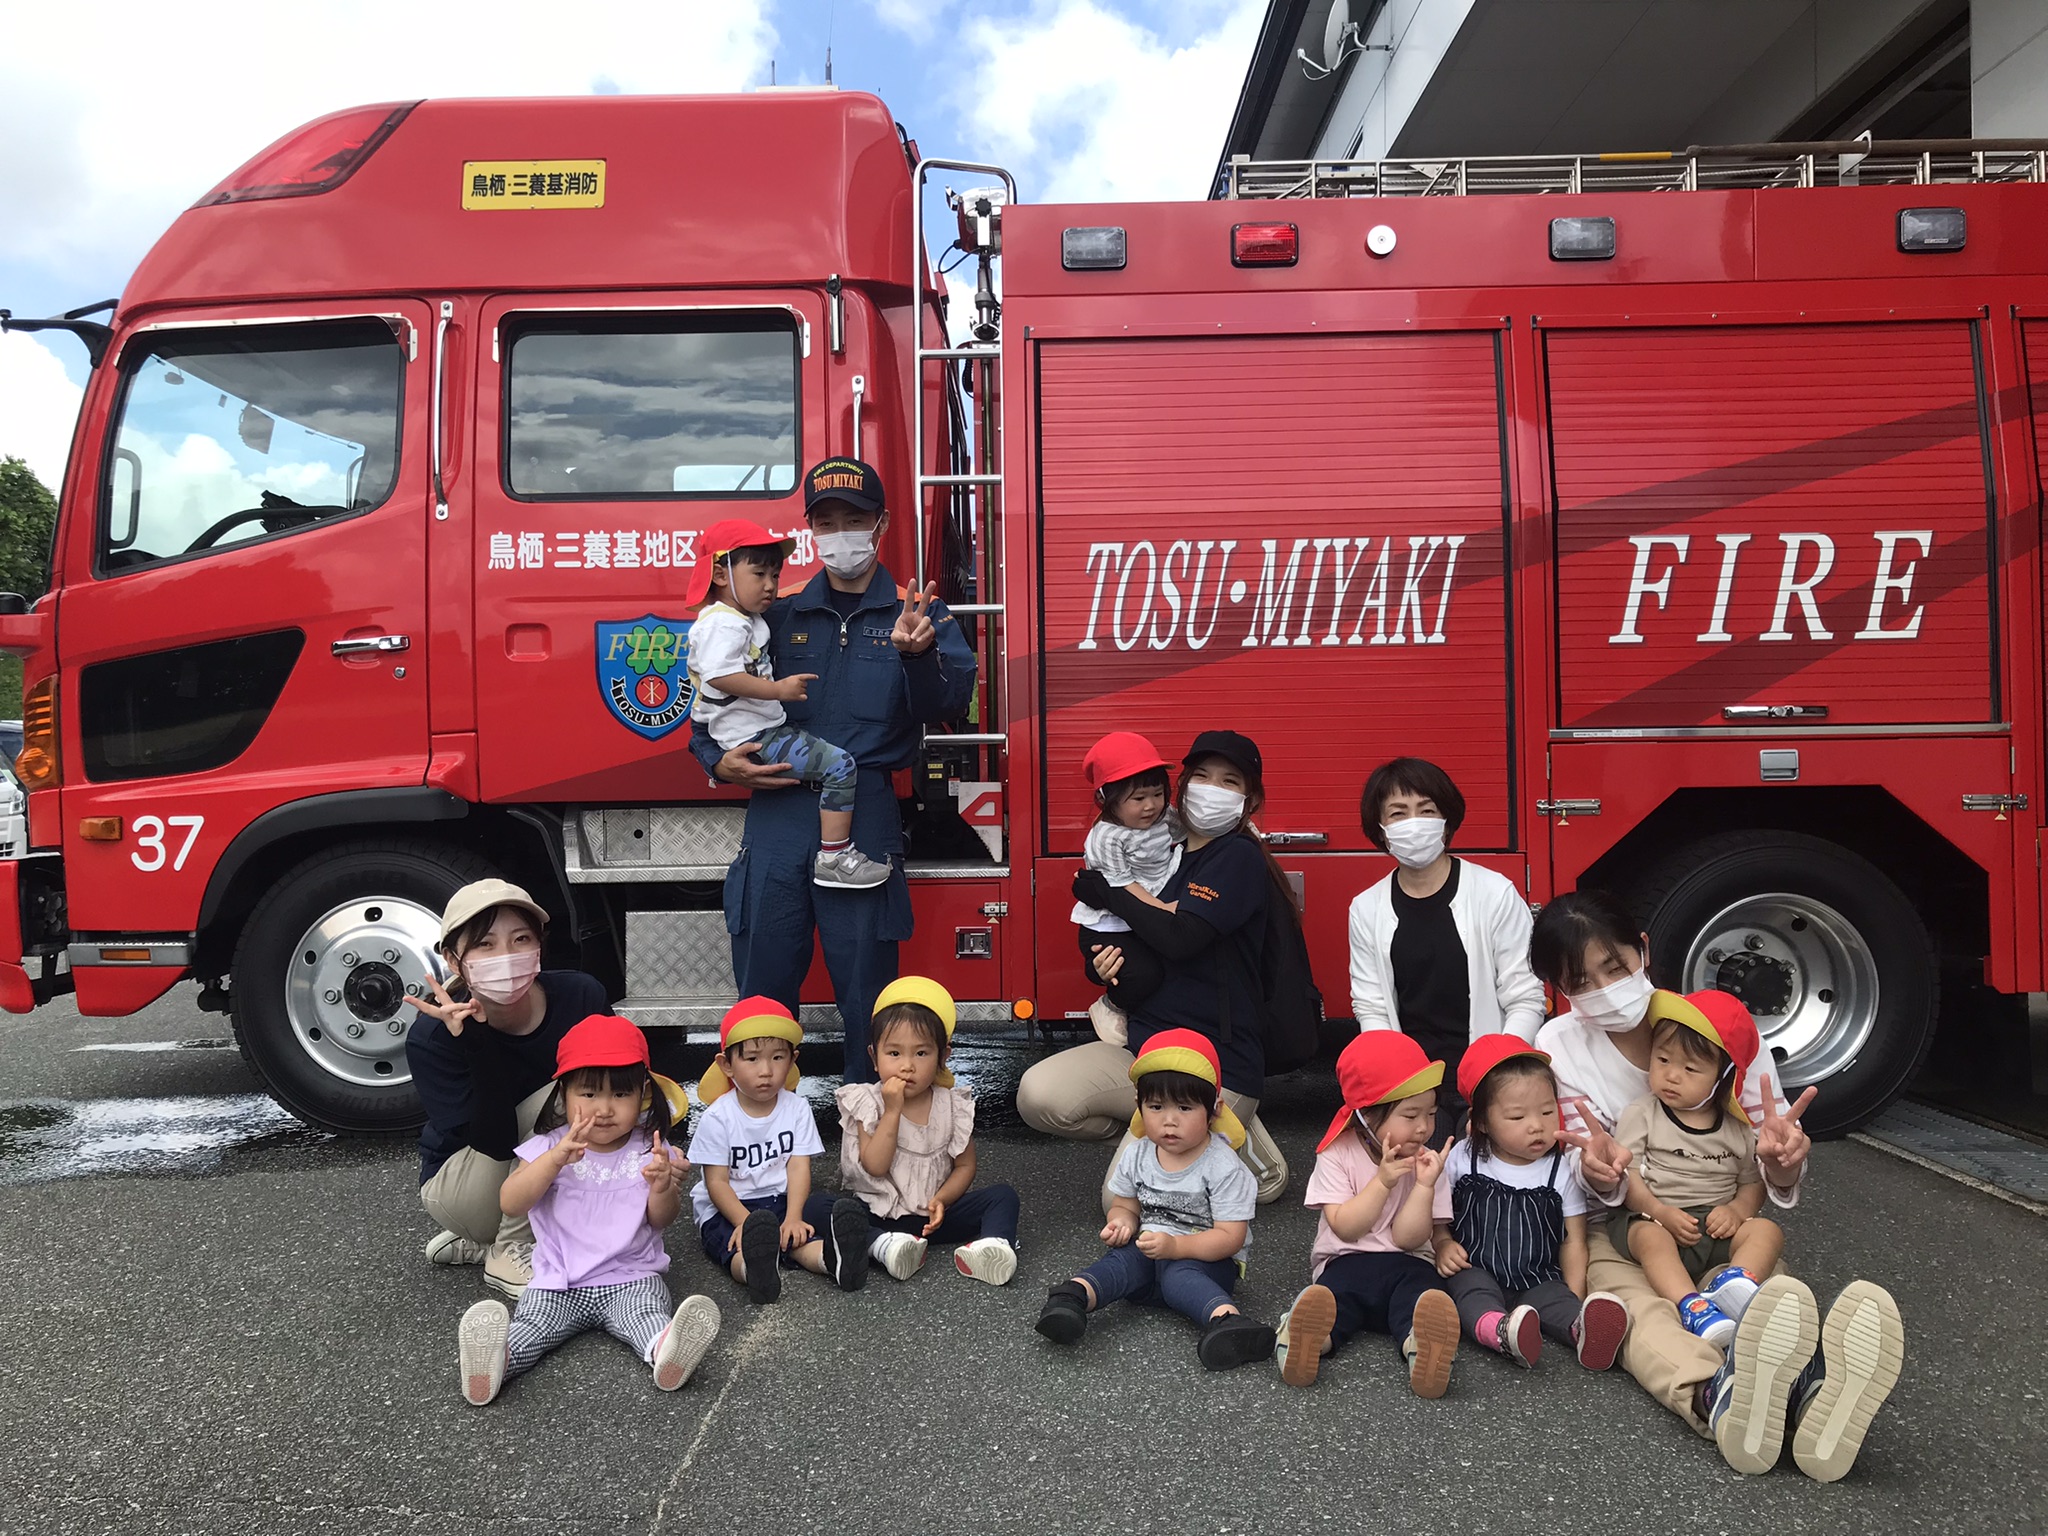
{"x":1695,"y":534}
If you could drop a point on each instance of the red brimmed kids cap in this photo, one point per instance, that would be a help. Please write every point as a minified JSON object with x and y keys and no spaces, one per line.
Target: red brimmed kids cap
{"x":1118,"y":756}
{"x":1382,"y":1066}
{"x":1488,"y":1052}
{"x":751,"y":1018}
{"x":1720,"y":1018}
{"x":846,"y":480}
{"x":1186,"y":1050}
{"x":720,"y":540}
{"x":605,"y":1040}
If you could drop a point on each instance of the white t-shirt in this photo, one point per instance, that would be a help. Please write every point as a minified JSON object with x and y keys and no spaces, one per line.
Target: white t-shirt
{"x":756,"y":1152}
{"x":1215,"y":1187}
{"x":1569,"y":1186}
{"x":724,"y":641}
{"x":1123,"y":855}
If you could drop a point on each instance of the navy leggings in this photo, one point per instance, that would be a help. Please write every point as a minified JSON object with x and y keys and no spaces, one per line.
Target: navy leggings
{"x":1194,"y":1288}
{"x":1377,"y":1292}
{"x":990,"y":1212}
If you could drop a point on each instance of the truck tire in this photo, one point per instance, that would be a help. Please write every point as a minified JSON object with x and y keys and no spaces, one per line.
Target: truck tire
{"x":322,"y":970}
{"x":1827,"y":953}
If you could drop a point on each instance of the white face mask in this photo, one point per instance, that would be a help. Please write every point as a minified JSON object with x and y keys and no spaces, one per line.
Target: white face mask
{"x":502,"y":978}
{"x":847,"y":555}
{"x":1617,"y":1007}
{"x":1211,"y":809}
{"x":1417,"y":841}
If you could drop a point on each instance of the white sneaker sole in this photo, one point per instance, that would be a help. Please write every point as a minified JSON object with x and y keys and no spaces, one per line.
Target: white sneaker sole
{"x":906,"y":1259}
{"x":682,"y":1347}
{"x":989,"y":1260}
{"x":481,"y":1346}
{"x":1772,"y":1345}
{"x":1864,"y":1344}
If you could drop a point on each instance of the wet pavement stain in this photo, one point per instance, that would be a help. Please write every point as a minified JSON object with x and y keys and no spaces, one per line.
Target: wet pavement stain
{"x":44,"y":1139}
{"x":146,"y":1046}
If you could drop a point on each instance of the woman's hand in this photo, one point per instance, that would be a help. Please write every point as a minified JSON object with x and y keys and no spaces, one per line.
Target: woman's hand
{"x":1781,"y":1145}
{"x":1451,"y":1257}
{"x":1679,"y":1223}
{"x":1160,"y":1246}
{"x":1108,"y":960}
{"x":1091,"y":889}
{"x":1119,"y":1229}
{"x":447,"y":1010}
{"x":1602,"y":1159}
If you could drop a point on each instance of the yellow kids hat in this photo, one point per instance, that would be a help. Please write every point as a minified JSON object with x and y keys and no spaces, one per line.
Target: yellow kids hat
{"x":1720,"y":1019}
{"x":1183,"y":1050}
{"x":751,"y":1018}
{"x":927,"y":993}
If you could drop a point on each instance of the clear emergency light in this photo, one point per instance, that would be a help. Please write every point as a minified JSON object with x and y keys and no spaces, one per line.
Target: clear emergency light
{"x":1582,"y":239}
{"x":1264,"y":245}
{"x":317,"y":158}
{"x":1098,"y":248}
{"x":1931,"y":229}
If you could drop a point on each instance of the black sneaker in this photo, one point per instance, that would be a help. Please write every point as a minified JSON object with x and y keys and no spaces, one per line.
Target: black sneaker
{"x":849,"y":1244}
{"x":1231,"y":1339}
{"x":1064,"y":1317}
{"x":761,"y":1253}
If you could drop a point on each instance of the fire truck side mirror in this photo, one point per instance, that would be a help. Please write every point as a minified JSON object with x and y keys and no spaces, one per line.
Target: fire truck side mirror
{"x":12,"y":603}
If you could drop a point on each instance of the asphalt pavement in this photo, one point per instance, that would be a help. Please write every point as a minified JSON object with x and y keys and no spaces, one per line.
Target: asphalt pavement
{"x":220,"y":1322}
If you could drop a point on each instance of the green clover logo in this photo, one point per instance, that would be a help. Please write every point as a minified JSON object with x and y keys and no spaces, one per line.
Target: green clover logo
{"x":657,"y":650}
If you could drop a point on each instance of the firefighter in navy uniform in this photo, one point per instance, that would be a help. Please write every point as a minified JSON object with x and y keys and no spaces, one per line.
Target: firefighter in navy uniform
{"x":886,"y":665}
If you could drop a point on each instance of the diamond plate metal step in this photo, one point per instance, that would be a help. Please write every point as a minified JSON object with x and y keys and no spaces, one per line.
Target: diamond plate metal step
{"x":1978,"y":1152}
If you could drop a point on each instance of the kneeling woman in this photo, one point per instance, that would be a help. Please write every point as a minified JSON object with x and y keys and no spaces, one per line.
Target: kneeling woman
{"x":1211,"y":946}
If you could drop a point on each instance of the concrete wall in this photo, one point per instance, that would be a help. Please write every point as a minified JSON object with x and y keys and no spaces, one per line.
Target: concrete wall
{"x":2009,"y":69}
{"x":1827,"y":40}
{"x":1383,"y":88}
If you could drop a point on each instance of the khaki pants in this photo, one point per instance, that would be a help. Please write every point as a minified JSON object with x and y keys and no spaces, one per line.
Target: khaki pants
{"x":463,"y":1193}
{"x":1086,"y":1094}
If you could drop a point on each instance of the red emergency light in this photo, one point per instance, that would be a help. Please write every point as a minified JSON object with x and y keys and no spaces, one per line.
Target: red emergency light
{"x":1264,"y":245}
{"x":317,"y":158}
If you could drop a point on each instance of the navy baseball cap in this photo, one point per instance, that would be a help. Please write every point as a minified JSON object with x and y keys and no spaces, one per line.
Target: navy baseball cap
{"x":1241,"y":750}
{"x":846,"y":480}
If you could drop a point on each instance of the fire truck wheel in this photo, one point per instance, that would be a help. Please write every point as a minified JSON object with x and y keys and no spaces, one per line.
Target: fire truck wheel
{"x":1827,"y":953}
{"x":322,"y":971}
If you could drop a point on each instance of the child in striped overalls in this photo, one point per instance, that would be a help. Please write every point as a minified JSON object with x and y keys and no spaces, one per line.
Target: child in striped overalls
{"x":1510,"y":1216}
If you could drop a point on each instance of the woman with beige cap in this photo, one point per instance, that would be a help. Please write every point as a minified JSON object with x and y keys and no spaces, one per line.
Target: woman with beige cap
{"x":482,"y":1054}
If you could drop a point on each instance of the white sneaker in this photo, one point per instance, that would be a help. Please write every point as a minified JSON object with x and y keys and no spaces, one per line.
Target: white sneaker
{"x":480,"y":1344}
{"x":682,"y":1344}
{"x":447,"y":1248}
{"x":1111,"y":1023}
{"x":988,"y":1259}
{"x":848,"y":868}
{"x":899,"y":1253}
{"x":508,"y":1269}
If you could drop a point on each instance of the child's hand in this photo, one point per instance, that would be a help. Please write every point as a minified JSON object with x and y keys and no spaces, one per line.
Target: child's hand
{"x":1678,"y":1223}
{"x":794,"y":690}
{"x":893,"y":1090}
{"x":664,"y":1168}
{"x":935,"y":1215}
{"x":570,"y":1148}
{"x":732,"y":1244}
{"x":1429,"y":1163}
{"x":1394,"y":1169}
{"x":1723,"y":1220}
{"x":1451,"y":1257}
{"x":1158,"y":1245}
{"x":1119,"y":1229}
{"x":796,"y":1231}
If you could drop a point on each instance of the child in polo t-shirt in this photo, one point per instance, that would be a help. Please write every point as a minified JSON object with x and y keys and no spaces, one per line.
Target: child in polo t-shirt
{"x":755,"y":1140}
{"x":1180,"y":1213}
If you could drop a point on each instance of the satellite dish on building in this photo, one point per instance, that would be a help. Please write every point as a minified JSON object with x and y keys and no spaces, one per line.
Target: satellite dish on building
{"x":1341,"y":43}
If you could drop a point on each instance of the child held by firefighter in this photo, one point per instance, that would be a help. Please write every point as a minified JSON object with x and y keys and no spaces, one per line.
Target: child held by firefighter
{"x":1510,"y":1216}
{"x":1375,"y":1185}
{"x":1694,"y":1191}
{"x":754,"y":1205}
{"x":1136,"y":844}
{"x":908,"y":1147}
{"x":1180,"y":1212}
{"x":599,"y":1183}
{"x":738,"y":699}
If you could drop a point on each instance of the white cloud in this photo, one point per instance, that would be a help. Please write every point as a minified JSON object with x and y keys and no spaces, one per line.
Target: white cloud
{"x":1088,"y":105}
{"x":38,"y":406}
{"x":914,"y":17}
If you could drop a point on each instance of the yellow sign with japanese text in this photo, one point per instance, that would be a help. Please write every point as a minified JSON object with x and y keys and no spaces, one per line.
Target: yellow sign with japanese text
{"x":492,"y":184}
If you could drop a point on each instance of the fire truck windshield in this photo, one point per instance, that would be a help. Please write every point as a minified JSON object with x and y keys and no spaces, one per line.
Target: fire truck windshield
{"x":229,"y":435}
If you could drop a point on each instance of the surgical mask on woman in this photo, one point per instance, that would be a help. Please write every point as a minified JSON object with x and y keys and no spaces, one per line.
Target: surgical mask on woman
{"x":1617,"y":1007}
{"x":502,"y":979}
{"x":1417,"y":841}
{"x":847,"y":555}
{"x":1211,"y":809}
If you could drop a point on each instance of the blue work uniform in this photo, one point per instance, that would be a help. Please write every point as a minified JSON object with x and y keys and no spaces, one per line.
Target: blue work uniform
{"x":874,"y":701}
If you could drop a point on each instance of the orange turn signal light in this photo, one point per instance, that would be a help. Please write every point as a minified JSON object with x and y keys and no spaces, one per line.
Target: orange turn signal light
{"x":1024,"y":1008}
{"x":100,"y":829}
{"x":36,"y":764}
{"x":110,"y":956}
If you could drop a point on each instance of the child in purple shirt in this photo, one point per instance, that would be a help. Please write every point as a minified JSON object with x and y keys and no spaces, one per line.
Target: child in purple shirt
{"x":598,"y":1183}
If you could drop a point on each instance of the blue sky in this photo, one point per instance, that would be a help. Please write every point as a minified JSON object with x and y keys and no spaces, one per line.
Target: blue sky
{"x":100,"y":148}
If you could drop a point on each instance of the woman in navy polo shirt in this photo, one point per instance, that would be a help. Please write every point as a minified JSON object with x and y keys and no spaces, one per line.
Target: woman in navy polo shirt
{"x":1211,"y":945}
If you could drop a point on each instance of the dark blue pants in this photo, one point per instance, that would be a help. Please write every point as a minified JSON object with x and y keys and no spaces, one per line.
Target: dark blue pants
{"x":773,"y":911}
{"x":990,"y":1212}
{"x":1194,"y":1288}
{"x":716,"y":1234}
{"x":1377,"y":1292}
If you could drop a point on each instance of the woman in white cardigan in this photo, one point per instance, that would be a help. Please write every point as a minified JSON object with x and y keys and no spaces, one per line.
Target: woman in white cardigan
{"x":1440,"y":948}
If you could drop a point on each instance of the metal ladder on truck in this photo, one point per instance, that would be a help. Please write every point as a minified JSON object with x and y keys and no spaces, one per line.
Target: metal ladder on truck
{"x":977,"y":487}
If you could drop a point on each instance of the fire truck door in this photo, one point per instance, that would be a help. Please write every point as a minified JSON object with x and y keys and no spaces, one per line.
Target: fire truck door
{"x":242,"y":622}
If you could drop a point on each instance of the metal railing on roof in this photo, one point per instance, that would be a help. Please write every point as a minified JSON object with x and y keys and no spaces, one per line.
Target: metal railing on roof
{"x":1728,"y":167}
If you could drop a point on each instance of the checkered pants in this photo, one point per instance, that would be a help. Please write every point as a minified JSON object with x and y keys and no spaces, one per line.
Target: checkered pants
{"x":634,"y":1313}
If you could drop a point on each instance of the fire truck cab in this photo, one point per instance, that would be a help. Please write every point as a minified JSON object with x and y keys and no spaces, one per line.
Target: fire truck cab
{"x":1695,"y":535}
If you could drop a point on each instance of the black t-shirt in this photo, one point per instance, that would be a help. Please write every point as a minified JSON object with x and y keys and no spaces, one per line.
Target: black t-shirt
{"x":471,"y":1084}
{"x":1225,"y":884}
{"x":1432,"y":979}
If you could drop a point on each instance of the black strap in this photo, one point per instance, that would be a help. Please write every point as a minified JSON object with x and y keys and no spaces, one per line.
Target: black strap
{"x":1556,"y":1156}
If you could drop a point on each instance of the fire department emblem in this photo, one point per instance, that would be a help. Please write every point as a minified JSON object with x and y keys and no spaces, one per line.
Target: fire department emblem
{"x":641,"y":672}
